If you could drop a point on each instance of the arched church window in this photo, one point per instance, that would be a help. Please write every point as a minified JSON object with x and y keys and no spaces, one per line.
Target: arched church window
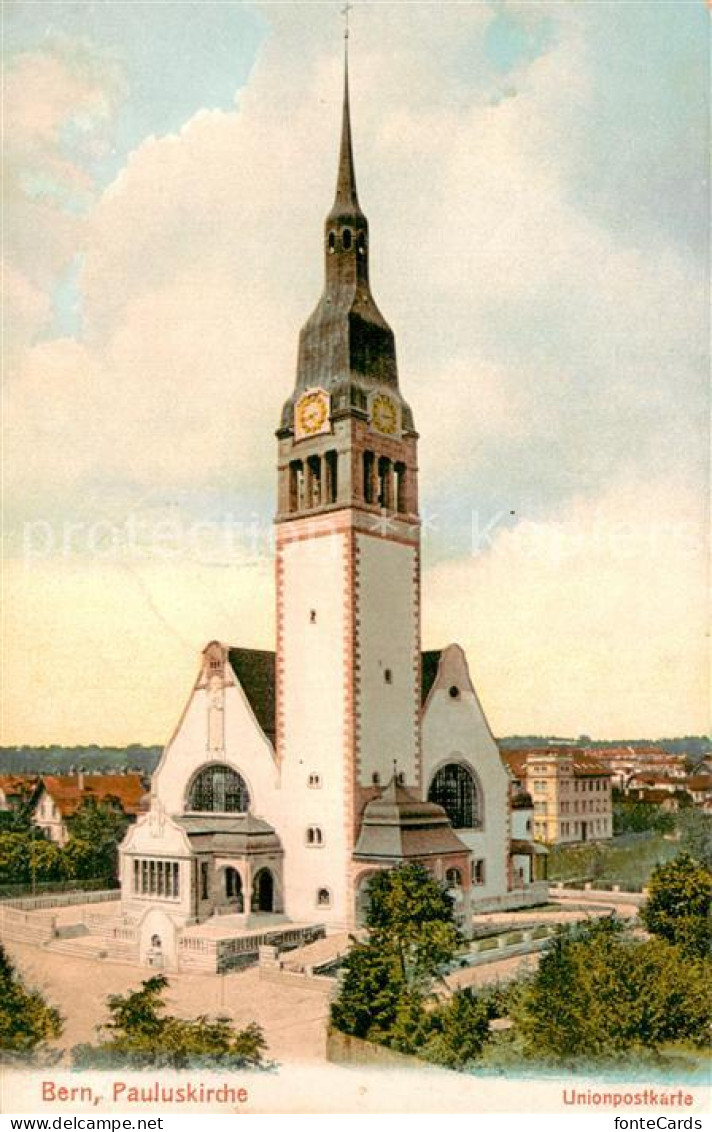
{"x":361,"y":243}
{"x":314,"y":836}
{"x":453,"y":878}
{"x":346,"y":238}
{"x":454,"y":788}
{"x":218,"y":789}
{"x":332,"y":242}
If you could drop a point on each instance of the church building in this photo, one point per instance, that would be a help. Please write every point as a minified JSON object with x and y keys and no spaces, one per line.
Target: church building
{"x":294,"y":775}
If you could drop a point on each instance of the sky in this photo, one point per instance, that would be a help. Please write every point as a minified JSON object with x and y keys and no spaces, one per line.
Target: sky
{"x":535,"y":180}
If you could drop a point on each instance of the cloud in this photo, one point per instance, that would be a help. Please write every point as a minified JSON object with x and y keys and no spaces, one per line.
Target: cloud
{"x":594,"y":623}
{"x":121,"y":640}
{"x":552,"y":360}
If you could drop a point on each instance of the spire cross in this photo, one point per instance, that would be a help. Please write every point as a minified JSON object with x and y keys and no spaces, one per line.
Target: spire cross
{"x":345,"y":13}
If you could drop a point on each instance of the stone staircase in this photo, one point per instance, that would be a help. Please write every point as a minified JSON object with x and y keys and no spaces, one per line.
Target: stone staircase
{"x":314,"y":955}
{"x":95,"y":947}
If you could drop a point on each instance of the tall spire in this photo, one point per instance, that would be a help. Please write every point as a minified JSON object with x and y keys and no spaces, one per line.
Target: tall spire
{"x":346,"y":199}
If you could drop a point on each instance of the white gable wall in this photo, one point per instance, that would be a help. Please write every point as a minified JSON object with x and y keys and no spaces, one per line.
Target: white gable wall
{"x":456,"y":730}
{"x":246,"y":750}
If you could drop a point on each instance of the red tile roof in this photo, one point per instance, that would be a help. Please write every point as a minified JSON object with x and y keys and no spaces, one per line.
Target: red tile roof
{"x":14,"y":784}
{"x":585,"y":765}
{"x":65,"y":791}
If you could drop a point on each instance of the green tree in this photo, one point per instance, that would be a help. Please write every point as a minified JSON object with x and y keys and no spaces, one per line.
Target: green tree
{"x":26,"y":1020}
{"x":141,"y":1035}
{"x":14,"y":858}
{"x":695,"y":828}
{"x":386,"y":993}
{"x":458,"y":1031}
{"x":678,"y":904}
{"x":101,"y":826}
{"x":411,"y":916}
{"x":599,"y":992}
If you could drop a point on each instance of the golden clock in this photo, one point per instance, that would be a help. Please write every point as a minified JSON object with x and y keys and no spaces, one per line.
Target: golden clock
{"x":384,"y":414}
{"x":312,"y":415}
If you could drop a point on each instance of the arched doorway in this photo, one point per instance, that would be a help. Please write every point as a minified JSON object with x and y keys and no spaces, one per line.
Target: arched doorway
{"x":233,"y":889}
{"x":263,"y":892}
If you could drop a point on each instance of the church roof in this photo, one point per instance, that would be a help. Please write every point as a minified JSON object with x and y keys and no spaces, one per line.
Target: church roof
{"x":398,"y":826}
{"x":256,"y":671}
{"x":429,"y":664}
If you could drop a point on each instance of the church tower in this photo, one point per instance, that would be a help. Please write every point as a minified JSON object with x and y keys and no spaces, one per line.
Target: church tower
{"x":348,"y":572}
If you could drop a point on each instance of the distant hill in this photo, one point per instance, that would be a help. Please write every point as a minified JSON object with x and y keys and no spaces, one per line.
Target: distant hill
{"x":66,"y":760}
{"x":696,"y":746}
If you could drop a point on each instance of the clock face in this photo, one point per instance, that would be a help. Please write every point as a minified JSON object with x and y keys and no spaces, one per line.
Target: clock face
{"x":384,"y":414}
{"x":312,"y":413}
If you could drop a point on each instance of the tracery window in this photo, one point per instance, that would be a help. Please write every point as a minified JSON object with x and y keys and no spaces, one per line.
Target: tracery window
{"x":454,"y":788}
{"x":218,"y":789}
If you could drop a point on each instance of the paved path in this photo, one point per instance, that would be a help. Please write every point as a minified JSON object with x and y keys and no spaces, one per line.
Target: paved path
{"x":293,"y":1019}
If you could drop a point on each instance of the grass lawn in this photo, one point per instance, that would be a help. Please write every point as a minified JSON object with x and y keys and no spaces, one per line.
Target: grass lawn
{"x":628,"y":864}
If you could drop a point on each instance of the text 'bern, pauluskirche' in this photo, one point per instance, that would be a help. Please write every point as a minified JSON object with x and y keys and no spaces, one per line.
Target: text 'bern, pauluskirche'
{"x":294,"y":775}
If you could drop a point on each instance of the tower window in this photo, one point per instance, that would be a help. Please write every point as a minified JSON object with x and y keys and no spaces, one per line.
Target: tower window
{"x":314,"y":781}
{"x":312,"y":616}
{"x":332,"y":476}
{"x":346,"y":238}
{"x":454,"y":692}
{"x":368,"y":465}
{"x":376,"y":778}
{"x":388,"y":675}
{"x":296,"y":485}
{"x":323,"y":898}
{"x":361,"y":243}
{"x":314,"y":481}
{"x":400,"y":475}
{"x":315,"y":837}
{"x":384,"y":482}
{"x":332,"y":242}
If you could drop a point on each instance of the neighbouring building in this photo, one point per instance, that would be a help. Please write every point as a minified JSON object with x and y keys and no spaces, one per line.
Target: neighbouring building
{"x":295,"y":775}
{"x":529,"y":857}
{"x":631,"y":759}
{"x":16,"y":790}
{"x":56,"y":799}
{"x":570,"y":790}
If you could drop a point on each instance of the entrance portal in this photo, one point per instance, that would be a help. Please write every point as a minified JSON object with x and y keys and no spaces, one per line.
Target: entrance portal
{"x":263,"y":892}
{"x":233,"y":889}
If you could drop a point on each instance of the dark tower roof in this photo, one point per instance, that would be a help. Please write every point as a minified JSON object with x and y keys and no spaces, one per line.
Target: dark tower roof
{"x":346,"y":346}
{"x":346,"y":199}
